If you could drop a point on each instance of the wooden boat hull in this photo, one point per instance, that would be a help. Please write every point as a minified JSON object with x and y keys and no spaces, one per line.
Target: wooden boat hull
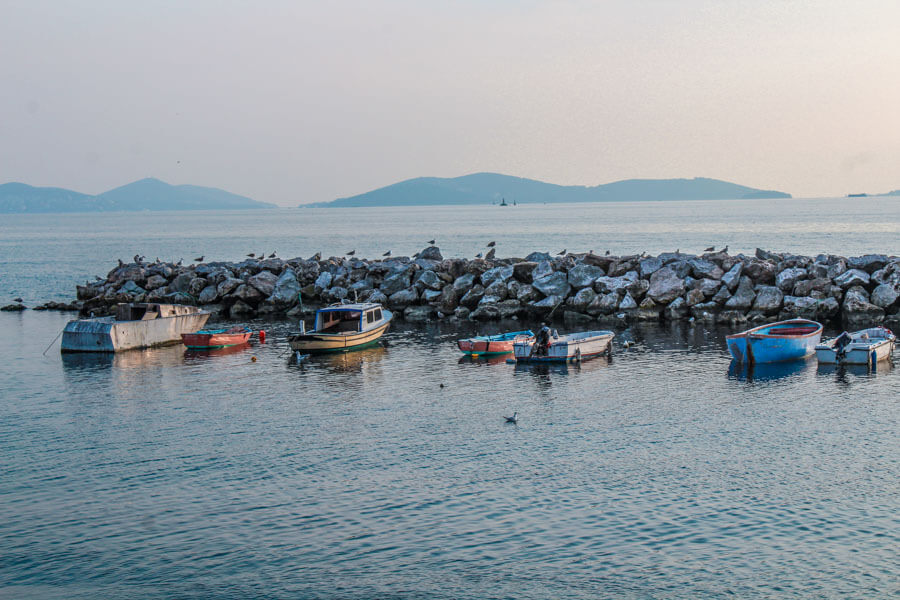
{"x":202,"y":341}
{"x":320,"y":343}
{"x":105,"y":334}
{"x":565,"y":349}
{"x":757,"y":346}
{"x":859,"y":352}
{"x":490,"y":345}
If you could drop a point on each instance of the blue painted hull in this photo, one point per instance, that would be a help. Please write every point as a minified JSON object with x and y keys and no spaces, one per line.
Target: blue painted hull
{"x":765,"y":345}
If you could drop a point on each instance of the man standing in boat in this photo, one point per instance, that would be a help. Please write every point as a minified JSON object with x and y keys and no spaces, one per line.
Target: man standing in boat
{"x":541,"y":341}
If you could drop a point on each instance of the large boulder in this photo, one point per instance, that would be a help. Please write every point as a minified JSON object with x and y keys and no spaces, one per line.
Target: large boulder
{"x":581,"y":300}
{"x":868,"y":263}
{"x":665,"y":285}
{"x":264,"y":281}
{"x":649,"y":266}
{"x":286,"y":291}
{"x":768,"y":300}
{"x":607,"y":285}
{"x":709,"y":287}
{"x":857,"y":313}
{"x":852,"y":277}
{"x":430,"y":280}
{"x":554,"y":284}
{"x":497,"y":291}
{"x":701,"y":267}
{"x":527,"y":293}
{"x":485,"y":312}
{"x":628,"y":303}
{"x":522,"y":271}
{"x":788,"y":278}
{"x":402,"y":298}
{"x":676,"y":310}
{"x":335,"y":293}
{"x":431,"y":253}
{"x":464,"y":282}
{"x":248,"y":294}
{"x":208,"y":295}
{"x":502,"y":274}
{"x":241,"y":308}
{"x":543,"y":307}
{"x":471,"y":298}
{"x":743,"y":296}
{"x":693,"y":298}
{"x":603,"y":304}
{"x":181,"y":283}
{"x":537,"y":257}
{"x":799,"y":306}
{"x":394,"y":283}
{"x":807,"y":286}
{"x":885,"y":295}
{"x":323,"y":280}
{"x":732,"y":278}
{"x":760,"y":271}
{"x":155,"y":282}
{"x":582,"y":276}
{"x":542,"y":269}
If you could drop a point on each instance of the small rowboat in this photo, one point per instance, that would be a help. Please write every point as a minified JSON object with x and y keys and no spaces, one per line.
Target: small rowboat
{"x":574,"y":347}
{"x":216,"y":338}
{"x":785,"y":340}
{"x":491,"y":345}
{"x":864,"y":347}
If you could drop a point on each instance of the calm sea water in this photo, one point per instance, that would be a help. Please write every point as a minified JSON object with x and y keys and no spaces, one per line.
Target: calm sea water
{"x":663,"y":473}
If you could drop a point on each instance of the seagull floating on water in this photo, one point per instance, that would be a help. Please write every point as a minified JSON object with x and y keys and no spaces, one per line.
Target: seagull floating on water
{"x":513,"y":419}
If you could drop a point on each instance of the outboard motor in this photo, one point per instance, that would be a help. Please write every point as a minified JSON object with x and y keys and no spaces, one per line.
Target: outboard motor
{"x":840,"y":344}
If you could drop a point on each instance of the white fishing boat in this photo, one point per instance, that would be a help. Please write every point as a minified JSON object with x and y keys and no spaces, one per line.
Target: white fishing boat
{"x":135,"y":325}
{"x":342,"y":328}
{"x":573,"y":347}
{"x":864,"y":347}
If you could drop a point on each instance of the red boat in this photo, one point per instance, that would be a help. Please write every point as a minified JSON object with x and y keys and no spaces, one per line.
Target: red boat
{"x":216,"y":338}
{"x":489,"y":345}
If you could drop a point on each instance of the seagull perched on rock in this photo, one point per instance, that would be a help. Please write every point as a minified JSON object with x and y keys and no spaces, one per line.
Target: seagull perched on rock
{"x":200,"y":259}
{"x":252,"y":255}
{"x":725,"y":249}
{"x":137,"y":258}
{"x":19,"y":300}
{"x":562,"y":253}
{"x":388,"y":253}
{"x":710,"y":249}
{"x":351,"y":253}
{"x":431,"y":242}
{"x":180,"y":261}
{"x":607,"y":253}
{"x":316,"y":257}
{"x":490,"y":254}
{"x":479,"y":255}
{"x":513,"y":419}
{"x":491,"y":244}
{"x":272,"y":255}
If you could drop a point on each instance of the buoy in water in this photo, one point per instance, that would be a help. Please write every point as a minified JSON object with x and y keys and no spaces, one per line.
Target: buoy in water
{"x":262,"y":336}
{"x":252,"y":359}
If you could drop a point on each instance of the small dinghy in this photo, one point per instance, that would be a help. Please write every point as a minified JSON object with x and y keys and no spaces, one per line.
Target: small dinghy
{"x":573,"y":347}
{"x":785,"y":340}
{"x":206,"y":339}
{"x":491,"y":345}
{"x":864,"y":347}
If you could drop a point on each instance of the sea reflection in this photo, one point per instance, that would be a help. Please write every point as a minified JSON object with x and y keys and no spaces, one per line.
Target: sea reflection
{"x":841,"y":372}
{"x":499,"y":359}
{"x":166,"y":356}
{"x":344,"y":362}
{"x":766,"y":371}
{"x":203,"y":354}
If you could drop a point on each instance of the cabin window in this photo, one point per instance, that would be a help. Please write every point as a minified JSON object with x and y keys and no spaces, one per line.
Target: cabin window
{"x":376,"y":315}
{"x":370,"y":317}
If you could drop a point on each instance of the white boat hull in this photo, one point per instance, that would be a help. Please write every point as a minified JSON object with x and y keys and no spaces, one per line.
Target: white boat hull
{"x":567,"y":348}
{"x":105,"y":334}
{"x":861,"y":351}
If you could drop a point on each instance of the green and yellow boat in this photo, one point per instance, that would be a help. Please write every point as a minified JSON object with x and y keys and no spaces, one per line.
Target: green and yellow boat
{"x":343,"y":328}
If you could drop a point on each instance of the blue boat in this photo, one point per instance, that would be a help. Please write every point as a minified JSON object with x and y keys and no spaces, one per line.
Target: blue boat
{"x":775,"y":342}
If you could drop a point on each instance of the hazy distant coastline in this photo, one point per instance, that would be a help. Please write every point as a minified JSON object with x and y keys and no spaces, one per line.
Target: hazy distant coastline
{"x":143,"y":195}
{"x":487,"y":188}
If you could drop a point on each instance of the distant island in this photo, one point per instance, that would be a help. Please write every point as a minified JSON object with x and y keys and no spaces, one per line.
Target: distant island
{"x":487,"y":188}
{"x":146,"y":194}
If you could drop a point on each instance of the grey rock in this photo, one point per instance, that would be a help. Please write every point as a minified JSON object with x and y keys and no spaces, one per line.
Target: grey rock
{"x":768,"y":299}
{"x":884,"y":295}
{"x":701,"y":267}
{"x":486,"y":312}
{"x":402,"y":298}
{"x":378,"y":297}
{"x":638,"y":289}
{"x":430,"y":280}
{"x":606,"y":285}
{"x":604,"y":304}
{"x":743,"y":297}
{"x":665,"y":285}
{"x":798,"y":306}
{"x":155,"y":282}
{"x":464,"y":282}
{"x":286,"y":291}
{"x":581,"y":300}
{"x":857,"y":313}
{"x":264,"y":281}
{"x":649,"y":266}
{"x":852,"y":277}
{"x":419,"y":314}
{"x":807,"y":286}
{"x":582,"y":276}
{"x":828,"y":308}
{"x":395,"y":283}
{"x":181,"y":283}
{"x":868,"y":263}
{"x":627,"y":303}
{"x":693,"y":298}
{"x":336,"y":293}
{"x":543,"y":307}
{"x":248,"y":294}
{"x":538,"y":257}
{"x":323,"y":280}
{"x":733,"y":276}
{"x":432,"y":296}
{"x":709,"y":287}
{"x":497,"y":289}
{"x":132,"y":289}
{"x":501,"y":274}
{"x":527,"y":293}
{"x":760,"y":271}
{"x":681,"y":268}
{"x":786,"y":280}
{"x":705,"y":311}
{"x":837,"y":268}
{"x":431,"y":253}
{"x":555,"y":284}
{"x":543,"y":268}
{"x":471,"y":298}
{"x":818,"y":270}
{"x":197,"y":285}
{"x":208,"y":295}
{"x":522,"y":271}
{"x":241,"y":308}
{"x":462,"y":312}
{"x":676,"y":310}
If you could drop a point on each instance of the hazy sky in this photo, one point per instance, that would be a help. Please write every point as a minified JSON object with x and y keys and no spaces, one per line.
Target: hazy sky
{"x":292,"y":102}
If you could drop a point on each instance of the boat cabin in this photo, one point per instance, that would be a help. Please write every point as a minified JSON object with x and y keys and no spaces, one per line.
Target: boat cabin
{"x":344,"y":318}
{"x":147,"y":311}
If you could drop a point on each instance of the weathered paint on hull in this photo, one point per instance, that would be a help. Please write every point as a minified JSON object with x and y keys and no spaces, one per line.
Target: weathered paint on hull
{"x":105,"y":334}
{"x":860,"y":356}
{"x":766,"y":349}
{"x":565,"y":352}
{"x":196,"y":341}
{"x":321,"y":343}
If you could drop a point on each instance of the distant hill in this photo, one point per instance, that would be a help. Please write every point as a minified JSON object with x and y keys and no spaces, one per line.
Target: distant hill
{"x":146,"y":194}
{"x":485,"y":188}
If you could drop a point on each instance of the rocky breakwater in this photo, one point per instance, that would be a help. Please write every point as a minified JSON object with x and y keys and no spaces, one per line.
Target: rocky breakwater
{"x":580,"y":288}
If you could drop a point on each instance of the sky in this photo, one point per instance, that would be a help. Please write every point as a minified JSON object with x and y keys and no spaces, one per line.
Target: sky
{"x":293,"y":102}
